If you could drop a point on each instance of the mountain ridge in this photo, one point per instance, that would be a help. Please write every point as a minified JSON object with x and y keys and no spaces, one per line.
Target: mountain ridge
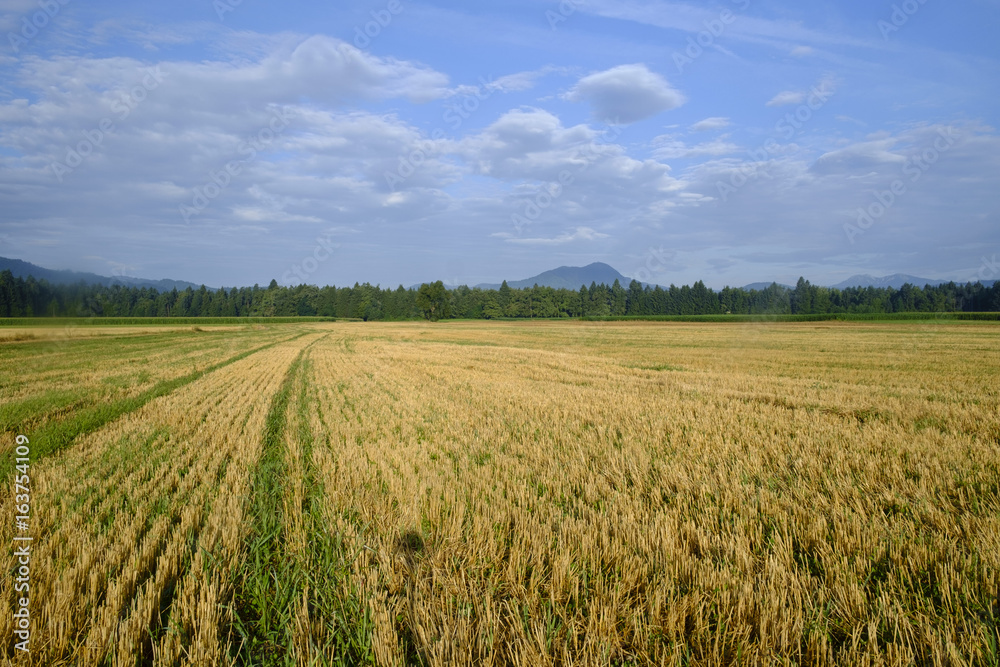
{"x":563,"y":277}
{"x":21,"y":269}
{"x":895,"y":281}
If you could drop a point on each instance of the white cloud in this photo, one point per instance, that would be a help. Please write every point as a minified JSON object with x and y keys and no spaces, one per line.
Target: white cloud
{"x":521,"y":80}
{"x":799,"y":205}
{"x":669,"y":147}
{"x":819,"y":93}
{"x":12,"y":12}
{"x":351,"y":121}
{"x":848,"y":119}
{"x":531,"y":149}
{"x":861,"y":158}
{"x":579,"y":234}
{"x":714,"y":123}
{"x":689,"y":17}
{"x":531,"y":143}
{"x":626,"y":94}
{"x":786,"y":97}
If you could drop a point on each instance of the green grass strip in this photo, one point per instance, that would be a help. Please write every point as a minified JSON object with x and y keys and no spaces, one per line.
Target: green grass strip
{"x":164,"y":321}
{"x":58,"y":435}
{"x":329,"y":559}
{"x":266,"y":586}
{"x":271,"y":582}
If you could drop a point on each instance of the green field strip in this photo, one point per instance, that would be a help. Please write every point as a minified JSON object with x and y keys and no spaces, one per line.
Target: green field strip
{"x":55,"y":436}
{"x":25,"y":414}
{"x":262,"y":596}
{"x":328,"y":558}
{"x":271,"y":583}
{"x":164,"y":321}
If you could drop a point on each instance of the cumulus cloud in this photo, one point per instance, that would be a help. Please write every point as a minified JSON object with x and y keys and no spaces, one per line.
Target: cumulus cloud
{"x":626,"y":94}
{"x":531,"y":143}
{"x":531,"y":149}
{"x":321,"y":68}
{"x":274,"y":137}
{"x":800,"y":203}
{"x":350,"y":122}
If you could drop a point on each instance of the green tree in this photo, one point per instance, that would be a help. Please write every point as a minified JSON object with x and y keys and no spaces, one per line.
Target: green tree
{"x":634,"y":299}
{"x":503,"y":295}
{"x":801,"y":297}
{"x":619,"y":299}
{"x":492,"y":309}
{"x":432,"y":300}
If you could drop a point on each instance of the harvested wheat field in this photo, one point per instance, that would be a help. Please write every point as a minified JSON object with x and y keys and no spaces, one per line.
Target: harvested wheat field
{"x":550,"y":493}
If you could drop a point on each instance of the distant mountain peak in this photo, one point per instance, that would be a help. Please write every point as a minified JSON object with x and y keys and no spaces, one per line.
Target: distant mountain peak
{"x":568,"y":277}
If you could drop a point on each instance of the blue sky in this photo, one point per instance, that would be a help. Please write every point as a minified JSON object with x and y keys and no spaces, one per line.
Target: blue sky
{"x":396,"y":141}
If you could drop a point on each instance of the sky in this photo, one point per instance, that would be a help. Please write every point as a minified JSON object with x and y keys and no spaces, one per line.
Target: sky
{"x":229,"y":142}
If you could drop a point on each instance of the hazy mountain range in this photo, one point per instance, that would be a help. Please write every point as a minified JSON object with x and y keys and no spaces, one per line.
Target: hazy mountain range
{"x":894,"y":281}
{"x":22,"y":269}
{"x":571,"y":277}
{"x":568,"y":277}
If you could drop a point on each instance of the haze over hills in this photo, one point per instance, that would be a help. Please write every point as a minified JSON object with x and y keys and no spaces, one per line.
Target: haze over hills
{"x":763,"y":286}
{"x":894,"y":281}
{"x":22,"y":269}
{"x":564,"y":277}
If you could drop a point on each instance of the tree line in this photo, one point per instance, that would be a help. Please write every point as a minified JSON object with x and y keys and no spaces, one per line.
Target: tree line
{"x":21,"y":297}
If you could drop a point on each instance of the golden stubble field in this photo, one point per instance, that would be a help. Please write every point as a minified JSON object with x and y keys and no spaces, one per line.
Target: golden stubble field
{"x":530,"y":493}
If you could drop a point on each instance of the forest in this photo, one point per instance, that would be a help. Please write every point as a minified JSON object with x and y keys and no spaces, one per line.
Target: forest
{"x":21,"y":297}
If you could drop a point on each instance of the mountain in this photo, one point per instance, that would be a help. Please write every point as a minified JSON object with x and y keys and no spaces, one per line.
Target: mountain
{"x":894,"y":281}
{"x":22,"y":269}
{"x":569,"y":277}
{"x":763,"y":286}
